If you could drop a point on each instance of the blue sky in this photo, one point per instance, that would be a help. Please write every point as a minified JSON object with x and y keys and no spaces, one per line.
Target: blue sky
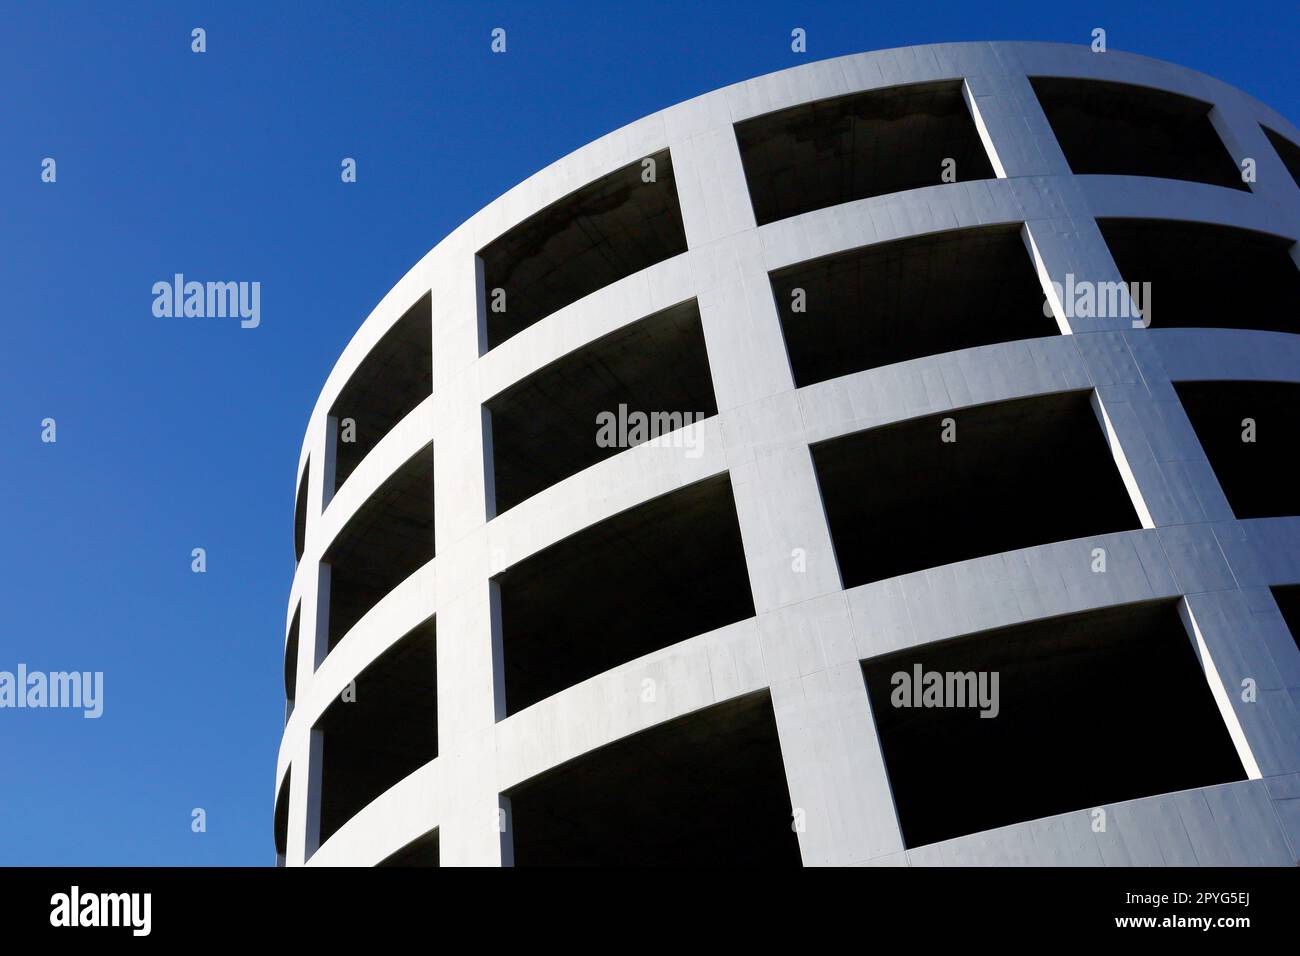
{"x":175,"y":434}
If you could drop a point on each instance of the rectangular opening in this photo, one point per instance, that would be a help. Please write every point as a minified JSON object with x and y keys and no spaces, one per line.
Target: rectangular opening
{"x":385,"y":732}
{"x":1091,"y":709}
{"x":1287,"y":151}
{"x":549,"y":426}
{"x":1030,"y":471}
{"x":1288,"y":602}
{"x":291,"y":663}
{"x":281,"y":823}
{"x":391,"y":381}
{"x":423,"y":851}
{"x":388,"y":539}
{"x":902,"y":300}
{"x":1118,"y":129}
{"x":1207,"y":276}
{"x":300,"y":513}
{"x":642,"y":580}
{"x":596,"y":235}
{"x":853,"y":147}
{"x":707,"y":789}
{"x":1250,"y":432}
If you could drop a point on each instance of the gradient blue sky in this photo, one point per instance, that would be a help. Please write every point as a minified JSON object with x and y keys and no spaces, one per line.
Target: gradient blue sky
{"x":183,"y":433}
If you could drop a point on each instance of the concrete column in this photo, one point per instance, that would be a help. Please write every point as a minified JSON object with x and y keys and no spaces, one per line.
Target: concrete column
{"x":468,"y":708}
{"x":469,"y":665}
{"x":835,"y":769}
{"x":1013,"y":127}
{"x":313,"y":629}
{"x":1169,"y":478}
{"x":304,"y":800}
{"x":1244,"y":139}
{"x":841,"y":806}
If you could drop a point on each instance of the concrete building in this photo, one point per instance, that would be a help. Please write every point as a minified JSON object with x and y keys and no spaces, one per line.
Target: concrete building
{"x":994,"y":350}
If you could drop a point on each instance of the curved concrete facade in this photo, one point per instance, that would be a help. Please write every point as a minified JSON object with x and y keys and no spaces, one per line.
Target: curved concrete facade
{"x":809,"y":634}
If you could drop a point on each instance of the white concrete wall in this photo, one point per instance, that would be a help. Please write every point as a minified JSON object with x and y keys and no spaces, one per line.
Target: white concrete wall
{"x":808,"y":634}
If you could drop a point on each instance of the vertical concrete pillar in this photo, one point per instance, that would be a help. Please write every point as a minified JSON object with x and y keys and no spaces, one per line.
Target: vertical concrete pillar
{"x":841,"y":806}
{"x":469,"y":666}
{"x":313,"y":629}
{"x":1168,"y":476}
{"x":1244,"y":139}
{"x":304,"y":799}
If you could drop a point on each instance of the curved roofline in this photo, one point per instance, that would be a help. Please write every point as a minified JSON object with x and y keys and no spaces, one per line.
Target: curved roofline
{"x":393,"y":303}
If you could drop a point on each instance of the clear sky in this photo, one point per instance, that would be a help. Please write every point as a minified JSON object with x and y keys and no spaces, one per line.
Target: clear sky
{"x":174,"y":434}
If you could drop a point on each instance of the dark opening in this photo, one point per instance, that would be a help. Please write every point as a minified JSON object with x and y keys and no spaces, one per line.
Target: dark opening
{"x":906,"y":299}
{"x":393,"y":379}
{"x":642,"y":580}
{"x":1287,"y":151}
{"x":1024,"y":472}
{"x":291,"y":663}
{"x":1207,"y":276}
{"x":1257,"y":476}
{"x":281,"y":822}
{"x":1123,"y":130}
{"x":388,"y":539}
{"x":300,"y":514}
{"x":594,"y":236}
{"x":852,"y":147}
{"x":1288,"y":602}
{"x":707,"y":789}
{"x":544,"y":429}
{"x":423,"y":851}
{"x":388,"y":731}
{"x":1093,"y":709}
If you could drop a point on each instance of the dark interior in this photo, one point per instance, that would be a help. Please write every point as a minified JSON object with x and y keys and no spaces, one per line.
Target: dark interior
{"x":388,"y":539}
{"x":391,"y":381}
{"x":1288,"y":602}
{"x":1021,"y":473}
{"x":544,"y":427}
{"x":910,"y":298}
{"x":642,"y":580}
{"x":1093,"y":708}
{"x":852,"y":147}
{"x":389,"y":730}
{"x":1119,"y":129}
{"x":1208,"y":276}
{"x":707,"y":789}
{"x":1287,"y":151}
{"x":281,"y":821}
{"x":300,"y":514}
{"x":593,"y":237}
{"x":1258,"y":477}
{"x":291,"y":662}
{"x":419,"y":852}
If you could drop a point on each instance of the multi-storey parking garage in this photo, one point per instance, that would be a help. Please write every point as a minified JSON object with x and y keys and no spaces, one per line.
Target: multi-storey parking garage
{"x":975,"y":359}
